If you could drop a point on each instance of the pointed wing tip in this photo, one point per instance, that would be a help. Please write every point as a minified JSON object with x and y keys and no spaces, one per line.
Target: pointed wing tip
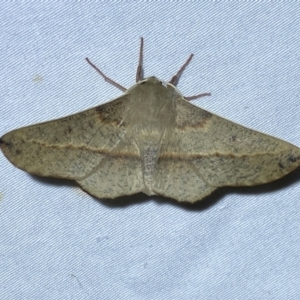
{"x":3,"y":143}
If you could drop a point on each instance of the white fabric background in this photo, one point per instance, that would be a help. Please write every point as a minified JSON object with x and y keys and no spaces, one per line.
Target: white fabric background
{"x":56,"y":242}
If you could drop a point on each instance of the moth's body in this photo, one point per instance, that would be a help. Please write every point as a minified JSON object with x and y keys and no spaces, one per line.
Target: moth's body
{"x":151,"y":121}
{"x":150,"y":140}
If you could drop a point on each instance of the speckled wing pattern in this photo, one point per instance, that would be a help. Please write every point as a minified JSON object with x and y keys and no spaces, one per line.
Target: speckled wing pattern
{"x":206,"y":152}
{"x":150,"y":140}
{"x":86,"y":147}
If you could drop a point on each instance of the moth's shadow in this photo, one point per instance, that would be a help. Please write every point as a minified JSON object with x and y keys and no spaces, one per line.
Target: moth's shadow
{"x":207,"y":202}
{"x":54,"y":181}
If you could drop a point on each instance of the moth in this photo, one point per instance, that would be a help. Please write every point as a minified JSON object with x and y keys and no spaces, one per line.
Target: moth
{"x":151,"y":140}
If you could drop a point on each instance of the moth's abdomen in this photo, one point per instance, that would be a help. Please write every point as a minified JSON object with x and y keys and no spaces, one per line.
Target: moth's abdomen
{"x":149,"y":155}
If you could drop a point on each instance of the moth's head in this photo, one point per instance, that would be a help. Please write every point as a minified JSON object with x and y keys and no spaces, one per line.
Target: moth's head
{"x":155,"y":84}
{"x":152,"y":79}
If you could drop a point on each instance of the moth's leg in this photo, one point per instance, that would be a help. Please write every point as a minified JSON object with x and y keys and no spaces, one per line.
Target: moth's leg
{"x":197,"y":96}
{"x":107,"y":79}
{"x":140,"y":70}
{"x":176,"y":77}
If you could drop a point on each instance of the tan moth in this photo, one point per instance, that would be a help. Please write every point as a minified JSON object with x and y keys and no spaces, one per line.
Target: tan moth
{"x":150,"y":140}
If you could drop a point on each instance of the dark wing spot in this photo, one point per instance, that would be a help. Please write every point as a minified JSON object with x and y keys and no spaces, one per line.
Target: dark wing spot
{"x":293,"y":158}
{"x":112,"y":112}
{"x":5,"y":143}
{"x":190,"y":116}
{"x":281,"y":165}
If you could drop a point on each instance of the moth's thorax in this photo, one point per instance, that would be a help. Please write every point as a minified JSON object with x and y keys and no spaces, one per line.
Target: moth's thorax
{"x":152,"y":104}
{"x":151,"y":111}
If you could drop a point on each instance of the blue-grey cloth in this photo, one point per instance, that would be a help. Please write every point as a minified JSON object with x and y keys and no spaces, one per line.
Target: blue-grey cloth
{"x":57,"y":242}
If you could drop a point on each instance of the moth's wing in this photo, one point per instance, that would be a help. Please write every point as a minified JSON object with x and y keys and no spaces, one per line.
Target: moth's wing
{"x":206,"y":152}
{"x":90,"y":147}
